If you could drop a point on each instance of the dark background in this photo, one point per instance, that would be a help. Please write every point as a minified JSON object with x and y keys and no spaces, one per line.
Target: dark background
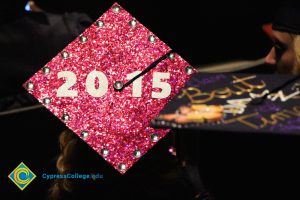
{"x":201,"y":31}
{"x":233,"y":166}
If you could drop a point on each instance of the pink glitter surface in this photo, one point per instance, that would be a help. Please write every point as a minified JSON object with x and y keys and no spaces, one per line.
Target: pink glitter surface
{"x":115,"y":121}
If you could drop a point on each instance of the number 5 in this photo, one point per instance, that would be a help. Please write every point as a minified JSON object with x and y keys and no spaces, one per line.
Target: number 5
{"x":157,"y":83}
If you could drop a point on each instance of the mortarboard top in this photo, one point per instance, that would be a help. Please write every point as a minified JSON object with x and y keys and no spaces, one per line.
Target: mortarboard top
{"x":109,"y":83}
{"x":235,"y":102}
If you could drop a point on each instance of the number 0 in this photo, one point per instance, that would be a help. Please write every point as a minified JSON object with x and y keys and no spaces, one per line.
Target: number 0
{"x":90,"y":84}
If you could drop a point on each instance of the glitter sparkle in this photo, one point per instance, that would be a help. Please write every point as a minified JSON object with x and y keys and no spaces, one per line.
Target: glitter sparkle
{"x":115,"y":121}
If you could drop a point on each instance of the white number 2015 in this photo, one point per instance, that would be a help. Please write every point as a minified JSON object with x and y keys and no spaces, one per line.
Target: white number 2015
{"x":65,"y":91}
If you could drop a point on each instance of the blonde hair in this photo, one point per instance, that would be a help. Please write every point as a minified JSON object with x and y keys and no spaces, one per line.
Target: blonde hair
{"x":70,"y":160}
{"x":296,"y":68}
{"x":67,"y":141}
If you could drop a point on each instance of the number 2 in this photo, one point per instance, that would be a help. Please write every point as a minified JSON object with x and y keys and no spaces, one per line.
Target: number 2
{"x":63,"y":90}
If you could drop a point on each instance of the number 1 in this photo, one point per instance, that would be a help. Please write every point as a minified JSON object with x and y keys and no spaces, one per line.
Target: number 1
{"x":136,"y":85}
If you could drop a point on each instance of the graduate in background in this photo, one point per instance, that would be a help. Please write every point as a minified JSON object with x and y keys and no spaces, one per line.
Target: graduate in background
{"x":285,"y":53}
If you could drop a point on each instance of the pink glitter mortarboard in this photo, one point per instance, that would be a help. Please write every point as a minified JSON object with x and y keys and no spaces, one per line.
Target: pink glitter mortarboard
{"x":87,"y":86}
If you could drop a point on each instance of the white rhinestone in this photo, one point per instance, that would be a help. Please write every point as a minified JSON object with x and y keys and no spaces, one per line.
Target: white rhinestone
{"x":46,"y":70}
{"x":116,"y":9}
{"x":171,"y":56}
{"x":65,"y":117}
{"x":151,"y":39}
{"x":47,"y":101}
{"x":154,"y":137}
{"x":64,"y":55}
{"x":84,"y":134}
{"x":83,"y":39}
{"x":100,"y":23}
{"x":137,"y":153}
{"x":104,"y":152}
{"x":189,"y":70}
{"x":29,"y":86}
{"x":122,"y":166}
{"x":118,"y":85}
{"x":132,"y":23}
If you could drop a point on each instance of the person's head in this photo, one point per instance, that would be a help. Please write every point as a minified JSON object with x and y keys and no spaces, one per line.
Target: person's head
{"x":285,"y":53}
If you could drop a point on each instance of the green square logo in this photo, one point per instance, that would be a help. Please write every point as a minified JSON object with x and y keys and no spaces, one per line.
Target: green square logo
{"x":22,"y":176}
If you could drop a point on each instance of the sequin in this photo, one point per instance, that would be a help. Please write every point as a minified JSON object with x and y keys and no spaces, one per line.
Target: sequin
{"x":46,"y":70}
{"x":84,"y":134}
{"x":100,"y":23}
{"x":47,"y":101}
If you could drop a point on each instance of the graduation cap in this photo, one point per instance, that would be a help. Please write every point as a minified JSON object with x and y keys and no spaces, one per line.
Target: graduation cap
{"x":109,"y":83}
{"x":235,"y":102}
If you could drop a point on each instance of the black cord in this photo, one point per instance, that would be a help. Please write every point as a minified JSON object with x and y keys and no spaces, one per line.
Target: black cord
{"x":154,"y":64}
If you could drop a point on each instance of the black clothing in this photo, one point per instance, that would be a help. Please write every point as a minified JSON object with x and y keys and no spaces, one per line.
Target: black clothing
{"x":30,"y":40}
{"x":287,"y":18}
